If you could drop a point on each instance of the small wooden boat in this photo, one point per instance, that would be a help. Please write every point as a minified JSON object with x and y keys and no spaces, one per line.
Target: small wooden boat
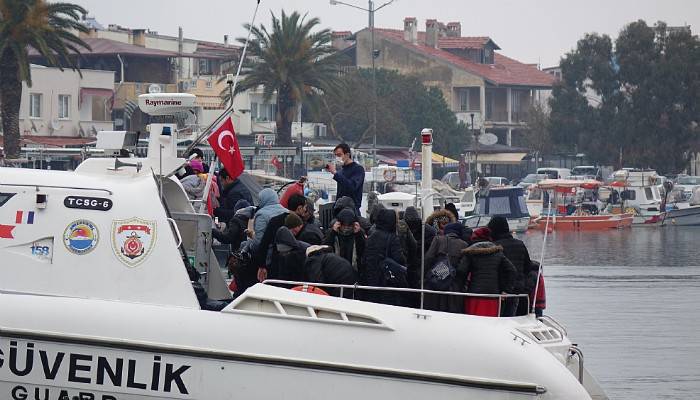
{"x":563,"y":210}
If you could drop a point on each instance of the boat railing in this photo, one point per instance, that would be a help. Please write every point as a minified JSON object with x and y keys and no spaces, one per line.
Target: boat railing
{"x":352,"y":290}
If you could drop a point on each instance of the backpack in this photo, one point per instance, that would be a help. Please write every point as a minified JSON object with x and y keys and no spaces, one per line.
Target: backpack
{"x":441,"y":274}
{"x":394,"y":273}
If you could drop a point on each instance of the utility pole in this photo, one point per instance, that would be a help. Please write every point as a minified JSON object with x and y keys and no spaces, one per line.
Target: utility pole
{"x":374,"y":83}
{"x":373,"y":53}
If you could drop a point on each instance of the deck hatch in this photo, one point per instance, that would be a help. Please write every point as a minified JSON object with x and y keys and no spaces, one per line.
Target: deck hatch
{"x":287,"y":309}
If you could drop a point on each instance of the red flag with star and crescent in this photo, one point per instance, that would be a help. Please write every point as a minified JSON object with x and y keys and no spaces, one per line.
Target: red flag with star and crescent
{"x":224,"y":143}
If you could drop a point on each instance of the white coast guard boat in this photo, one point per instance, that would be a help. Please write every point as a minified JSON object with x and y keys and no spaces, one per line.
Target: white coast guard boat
{"x":96,"y":303}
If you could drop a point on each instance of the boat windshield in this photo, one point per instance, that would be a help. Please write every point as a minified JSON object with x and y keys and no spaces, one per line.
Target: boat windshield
{"x":689,"y":180}
{"x":587,"y":171}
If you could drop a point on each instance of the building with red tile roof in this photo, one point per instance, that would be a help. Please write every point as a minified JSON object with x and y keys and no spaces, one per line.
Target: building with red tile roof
{"x":485,"y":89}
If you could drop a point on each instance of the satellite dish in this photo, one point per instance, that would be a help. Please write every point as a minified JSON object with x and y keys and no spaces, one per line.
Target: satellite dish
{"x":154,"y":88}
{"x":488,"y":139}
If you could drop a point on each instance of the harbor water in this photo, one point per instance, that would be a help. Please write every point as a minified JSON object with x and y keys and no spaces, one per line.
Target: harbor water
{"x":631,"y":300}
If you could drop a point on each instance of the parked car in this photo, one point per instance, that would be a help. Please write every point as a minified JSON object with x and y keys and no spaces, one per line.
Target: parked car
{"x":531,"y":179}
{"x":555,"y":173}
{"x":497,"y":181}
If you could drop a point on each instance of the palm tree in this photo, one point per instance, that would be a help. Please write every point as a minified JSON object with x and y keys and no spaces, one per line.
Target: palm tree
{"x":292,"y":61}
{"x":46,"y":27}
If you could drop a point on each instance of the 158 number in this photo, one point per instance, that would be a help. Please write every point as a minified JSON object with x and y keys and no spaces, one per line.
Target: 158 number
{"x":40,"y":250}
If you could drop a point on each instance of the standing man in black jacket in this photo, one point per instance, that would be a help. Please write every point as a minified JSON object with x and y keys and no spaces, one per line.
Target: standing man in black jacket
{"x":351,"y":176}
{"x":516,"y":252}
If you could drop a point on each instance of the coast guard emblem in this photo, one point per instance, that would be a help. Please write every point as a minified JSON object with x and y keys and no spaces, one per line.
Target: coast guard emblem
{"x":133,"y":240}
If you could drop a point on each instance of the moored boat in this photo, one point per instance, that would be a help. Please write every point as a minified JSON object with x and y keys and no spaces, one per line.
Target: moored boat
{"x":689,"y":216}
{"x":563,"y":208}
{"x":508,"y":202}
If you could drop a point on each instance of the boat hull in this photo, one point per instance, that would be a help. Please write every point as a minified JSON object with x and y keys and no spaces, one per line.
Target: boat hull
{"x":585,"y":223}
{"x":682,"y":217}
{"x":111,"y":351}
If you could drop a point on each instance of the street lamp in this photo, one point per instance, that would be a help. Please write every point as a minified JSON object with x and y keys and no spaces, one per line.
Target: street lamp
{"x":373,"y":53}
{"x":475,"y":134}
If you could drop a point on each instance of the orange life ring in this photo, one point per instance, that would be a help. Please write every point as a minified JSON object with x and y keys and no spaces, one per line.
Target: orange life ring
{"x":389,"y":175}
{"x":310,"y":289}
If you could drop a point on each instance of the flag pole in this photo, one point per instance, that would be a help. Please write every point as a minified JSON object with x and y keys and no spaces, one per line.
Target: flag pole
{"x":232,"y":86}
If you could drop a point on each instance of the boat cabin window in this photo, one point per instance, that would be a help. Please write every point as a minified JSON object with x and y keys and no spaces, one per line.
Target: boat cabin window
{"x":628,"y":195}
{"x":648,"y":193}
{"x":499,"y":205}
{"x":535,"y":194}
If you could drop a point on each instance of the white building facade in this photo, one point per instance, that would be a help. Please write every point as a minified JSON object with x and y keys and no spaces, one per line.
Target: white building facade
{"x":66,"y":104}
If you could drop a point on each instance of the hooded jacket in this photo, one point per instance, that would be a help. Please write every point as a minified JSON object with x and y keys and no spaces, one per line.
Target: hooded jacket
{"x":265,"y":230}
{"x":440,"y":215}
{"x":382,"y":243}
{"x":289,"y":255}
{"x":347,"y":202}
{"x":194,"y":186}
{"x":487,"y":269}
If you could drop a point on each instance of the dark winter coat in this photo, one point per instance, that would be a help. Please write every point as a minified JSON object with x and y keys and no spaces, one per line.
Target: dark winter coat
{"x":516,"y":252}
{"x":413,"y":220}
{"x":329,"y":268}
{"x":311,"y":234}
{"x":288,"y":256}
{"x":229,"y":197}
{"x":452,"y":246}
{"x":409,"y":248}
{"x":381,"y":243}
{"x":350,"y":179}
{"x":234,"y":233}
{"x":488,"y":271}
{"x":342,"y":245}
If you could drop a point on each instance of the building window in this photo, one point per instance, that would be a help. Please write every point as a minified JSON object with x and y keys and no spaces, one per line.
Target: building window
{"x":35,"y":105}
{"x":263,"y":112}
{"x":205,"y":67}
{"x":469,"y":99}
{"x":488,"y":55}
{"x":63,"y":106}
{"x":209,"y":84}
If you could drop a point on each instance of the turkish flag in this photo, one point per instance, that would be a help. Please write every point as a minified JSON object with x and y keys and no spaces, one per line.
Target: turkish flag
{"x":224,"y":143}
{"x":275,"y":162}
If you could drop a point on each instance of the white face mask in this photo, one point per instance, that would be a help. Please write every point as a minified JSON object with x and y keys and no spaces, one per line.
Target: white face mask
{"x":339,"y":160}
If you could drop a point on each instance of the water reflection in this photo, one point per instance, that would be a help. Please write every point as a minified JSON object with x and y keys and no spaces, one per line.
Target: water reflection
{"x":630,"y":299}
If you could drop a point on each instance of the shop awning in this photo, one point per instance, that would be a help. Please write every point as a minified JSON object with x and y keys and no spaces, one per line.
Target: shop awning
{"x":501,"y":158}
{"x":440,"y":159}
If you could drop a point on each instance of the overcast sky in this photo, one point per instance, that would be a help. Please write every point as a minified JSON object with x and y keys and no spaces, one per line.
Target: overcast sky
{"x":531,"y":31}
